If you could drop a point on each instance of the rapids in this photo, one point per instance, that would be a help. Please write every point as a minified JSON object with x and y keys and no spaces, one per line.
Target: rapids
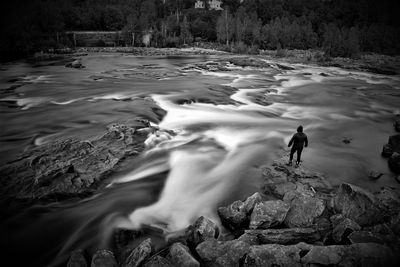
{"x":219,"y":129}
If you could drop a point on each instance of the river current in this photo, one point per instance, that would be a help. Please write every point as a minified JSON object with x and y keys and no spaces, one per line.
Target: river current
{"x":228,"y":121}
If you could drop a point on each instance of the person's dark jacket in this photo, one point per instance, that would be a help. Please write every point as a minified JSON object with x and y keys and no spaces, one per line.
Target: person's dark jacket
{"x":299,"y":140}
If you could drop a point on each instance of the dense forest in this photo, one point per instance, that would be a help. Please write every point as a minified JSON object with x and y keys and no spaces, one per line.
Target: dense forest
{"x":339,"y":27}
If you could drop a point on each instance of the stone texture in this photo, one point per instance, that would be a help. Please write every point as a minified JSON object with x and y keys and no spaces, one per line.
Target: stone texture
{"x":222,"y":253}
{"x":201,"y":230}
{"x":67,"y":168}
{"x":268,"y":214}
{"x":396,"y":123}
{"x":139,"y":254}
{"x":77,"y":259}
{"x":392,"y":146}
{"x":179,"y":255}
{"x":343,"y":229}
{"x":103,"y":258}
{"x":236,"y":215}
{"x":304,"y":211}
{"x":157,"y":261}
{"x":357,"y":204}
{"x":366,"y":254}
{"x":281,"y":236}
{"x":365,"y":237}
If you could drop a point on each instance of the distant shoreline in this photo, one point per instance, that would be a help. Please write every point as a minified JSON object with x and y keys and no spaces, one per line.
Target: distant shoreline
{"x":374,"y":63}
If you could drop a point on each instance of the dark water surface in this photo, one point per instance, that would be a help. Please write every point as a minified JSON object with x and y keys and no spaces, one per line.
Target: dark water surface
{"x":228,"y":124}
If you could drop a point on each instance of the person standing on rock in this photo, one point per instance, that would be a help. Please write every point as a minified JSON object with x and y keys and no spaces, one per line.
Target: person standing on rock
{"x":299,"y":141}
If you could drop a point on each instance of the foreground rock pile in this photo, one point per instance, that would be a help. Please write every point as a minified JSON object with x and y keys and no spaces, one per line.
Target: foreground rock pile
{"x":297,"y":219}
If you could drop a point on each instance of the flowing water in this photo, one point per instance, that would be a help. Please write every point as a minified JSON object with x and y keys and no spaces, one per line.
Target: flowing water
{"x":227,"y":125}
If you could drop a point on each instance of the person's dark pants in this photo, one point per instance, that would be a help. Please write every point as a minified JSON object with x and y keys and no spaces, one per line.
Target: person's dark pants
{"x":298,"y":150}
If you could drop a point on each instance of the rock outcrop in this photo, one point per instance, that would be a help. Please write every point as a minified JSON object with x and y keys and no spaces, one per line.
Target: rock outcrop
{"x":70,"y":168}
{"x":268,"y":214}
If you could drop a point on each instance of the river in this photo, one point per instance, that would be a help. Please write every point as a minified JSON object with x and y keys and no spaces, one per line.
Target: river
{"x":228,"y":121}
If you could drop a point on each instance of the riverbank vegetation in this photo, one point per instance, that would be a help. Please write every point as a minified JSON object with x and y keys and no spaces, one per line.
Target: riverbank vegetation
{"x":338,"y":27}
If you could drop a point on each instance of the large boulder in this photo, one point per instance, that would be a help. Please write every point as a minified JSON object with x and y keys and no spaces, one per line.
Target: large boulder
{"x":281,"y":236}
{"x":394,"y":162}
{"x":268,"y":214}
{"x":201,"y":230}
{"x":388,"y":201}
{"x":69,"y":167}
{"x":103,"y":258}
{"x":236,"y":215}
{"x":222,"y":253}
{"x":139,"y":254}
{"x":357,"y":204}
{"x":179,"y":255}
{"x":304,"y":211}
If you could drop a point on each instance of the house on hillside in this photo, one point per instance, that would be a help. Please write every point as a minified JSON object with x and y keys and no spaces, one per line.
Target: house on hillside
{"x":213,"y":4}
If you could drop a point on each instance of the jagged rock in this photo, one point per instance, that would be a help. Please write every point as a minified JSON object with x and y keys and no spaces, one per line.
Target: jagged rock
{"x":201,"y":230}
{"x":122,"y":242}
{"x":304,"y":211}
{"x":309,"y":255}
{"x":222,"y":253}
{"x":77,"y":259}
{"x":395,"y":224}
{"x":103,"y":258}
{"x":179,"y":255}
{"x":268,"y":214}
{"x":67,"y":168}
{"x":139,"y":254}
{"x":157,"y":261}
{"x":394,"y":162}
{"x":236,"y":215}
{"x":357,"y":204}
{"x":374,"y":175}
{"x":365,"y":237}
{"x":281,"y":236}
{"x":343,"y":229}
{"x":388,"y":201}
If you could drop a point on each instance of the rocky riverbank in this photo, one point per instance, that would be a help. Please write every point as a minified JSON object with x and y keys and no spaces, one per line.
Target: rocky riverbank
{"x":297,"y":219}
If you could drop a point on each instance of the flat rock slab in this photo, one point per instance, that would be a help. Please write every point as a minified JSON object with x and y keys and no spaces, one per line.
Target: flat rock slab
{"x":222,"y":253}
{"x":366,"y":254}
{"x":281,"y":236}
{"x":70,"y":167}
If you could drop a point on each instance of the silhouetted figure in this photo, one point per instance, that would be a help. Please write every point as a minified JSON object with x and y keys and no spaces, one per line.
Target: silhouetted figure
{"x":299,"y":140}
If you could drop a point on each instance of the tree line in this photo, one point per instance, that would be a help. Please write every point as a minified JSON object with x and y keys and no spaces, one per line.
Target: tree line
{"x":339,"y":27}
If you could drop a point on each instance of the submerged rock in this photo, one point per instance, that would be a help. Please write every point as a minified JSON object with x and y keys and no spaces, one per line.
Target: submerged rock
{"x":103,"y":258}
{"x":236,"y":215}
{"x":268,"y":214}
{"x":179,"y":255}
{"x":75,"y":64}
{"x":67,"y":168}
{"x":201,"y":230}
{"x":222,"y":253}
{"x":281,"y":236}
{"x":139,"y":254}
{"x":374,"y":175}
